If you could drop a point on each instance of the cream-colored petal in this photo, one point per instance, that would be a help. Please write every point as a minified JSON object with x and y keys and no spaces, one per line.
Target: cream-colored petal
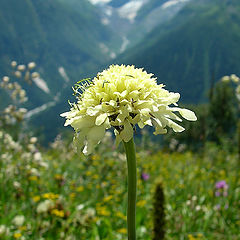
{"x":118,"y":139}
{"x":127,"y":133}
{"x":175,"y":126}
{"x":188,"y":114}
{"x":141,"y":124}
{"x":79,"y":123}
{"x":101,"y":119}
{"x":96,"y":133}
{"x":78,"y":140}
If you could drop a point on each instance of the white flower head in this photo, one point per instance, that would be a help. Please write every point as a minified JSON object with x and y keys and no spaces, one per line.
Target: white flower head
{"x":122,"y":97}
{"x":44,"y":206}
{"x":31,"y":65}
{"x":21,"y":67}
{"x":18,"y":220}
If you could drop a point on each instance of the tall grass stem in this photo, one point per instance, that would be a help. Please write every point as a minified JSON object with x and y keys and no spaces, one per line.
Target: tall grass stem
{"x":132,"y":188}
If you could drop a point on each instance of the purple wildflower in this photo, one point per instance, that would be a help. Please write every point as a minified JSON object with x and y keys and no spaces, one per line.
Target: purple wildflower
{"x":145,"y":176}
{"x":217,"y":193}
{"x":221,"y":185}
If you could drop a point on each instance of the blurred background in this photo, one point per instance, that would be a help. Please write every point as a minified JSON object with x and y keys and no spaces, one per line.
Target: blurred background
{"x":188,"y":45}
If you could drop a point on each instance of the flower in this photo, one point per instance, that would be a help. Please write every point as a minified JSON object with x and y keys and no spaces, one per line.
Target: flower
{"x":31,"y":65}
{"x":221,"y":185}
{"x":44,"y":206}
{"x":145,"y":176}
{"x":121,"y":97}
{"x":18,"y":220}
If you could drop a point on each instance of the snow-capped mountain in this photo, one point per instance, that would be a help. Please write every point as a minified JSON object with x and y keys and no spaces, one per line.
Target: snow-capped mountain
{"x":132,"y":19}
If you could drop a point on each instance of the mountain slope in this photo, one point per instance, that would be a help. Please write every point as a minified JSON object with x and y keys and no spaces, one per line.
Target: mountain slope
{"x":53,"y":34}
{"x":199,"y":44}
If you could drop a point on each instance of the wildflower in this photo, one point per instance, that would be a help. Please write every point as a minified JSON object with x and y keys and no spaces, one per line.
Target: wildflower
{"x":18,"y":220}
{"x":5,"y":79}
{"x":141,"y":203}
{"x":36,"y":198}
{"x":3,"y":230}
{"x":225,"y":79}
{"x":18,"y":74}
{"x":17,"y":235}
{"x":121,"y":215}
{"x":80,"y":207}
{"x":121,"y":97}
{"x":58,"y":213}
{"x":16,"y":184}
{"x":35,"y":75}
{"x":102,"y":210}
{"x":198,"y":208}
{"x":21,"y":67}
{"x":44,"y":206}
{"x":50,"y":195}
{"x":221,"y":185}
{"x":33,"y":140}
{"x":145,"y":176}
{"x":122,"y":230}
{"x":234,"y":78}
{"x":13,"y":64}
{"x":80,"y":189}
{"x":31,"y":65}
{"x":194,"y":198}
{"x":108,"y":198}
{"x":33,"y":178}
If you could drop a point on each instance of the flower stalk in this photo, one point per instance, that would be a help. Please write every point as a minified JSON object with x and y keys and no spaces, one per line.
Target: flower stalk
{"x":132,"y":188}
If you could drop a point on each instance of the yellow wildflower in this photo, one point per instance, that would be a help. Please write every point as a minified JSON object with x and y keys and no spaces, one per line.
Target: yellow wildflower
{"x":50,"y":195}
{"x":102,"y":210}
{"x":108,"y":198}
{"x":80,"y":189}
{"x":121,"y":215}
{"x":36,"y":198}
{"x":58,"y":213}
{"x":141,"y":203}
{"x":17,"y":235}
{"x":33,"y":178}
{"x":122,"y":230}
{"x":121,"y":97}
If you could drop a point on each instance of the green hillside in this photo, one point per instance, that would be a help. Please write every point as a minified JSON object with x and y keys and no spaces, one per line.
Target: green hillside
{"x":53,"y":34}
{"x":200,"y":44}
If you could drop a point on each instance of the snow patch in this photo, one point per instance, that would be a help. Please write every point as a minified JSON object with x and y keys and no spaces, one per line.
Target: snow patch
{"x":172,"y":2}
{"x":130,"y":9}
{"x":99,"y":1}
{"x":125,"y":42}
{"x":37,"y":110}
{"x":41,"y":84}
{"x":63,"y":74}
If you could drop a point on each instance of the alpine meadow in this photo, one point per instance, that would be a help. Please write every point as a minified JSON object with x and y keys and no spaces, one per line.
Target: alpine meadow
{"x":120,"y":119}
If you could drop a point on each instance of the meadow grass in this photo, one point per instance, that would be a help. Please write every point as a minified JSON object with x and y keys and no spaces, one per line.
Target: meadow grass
{"x":65,"y":195}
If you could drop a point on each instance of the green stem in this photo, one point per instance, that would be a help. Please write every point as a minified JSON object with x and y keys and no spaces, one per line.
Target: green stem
{"x":132,"y":188}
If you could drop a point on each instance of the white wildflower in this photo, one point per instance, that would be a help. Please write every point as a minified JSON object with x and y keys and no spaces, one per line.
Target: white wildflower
{"x":44,"y":206}
{"x":121,"y":97}
{"x":18,"y":220}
